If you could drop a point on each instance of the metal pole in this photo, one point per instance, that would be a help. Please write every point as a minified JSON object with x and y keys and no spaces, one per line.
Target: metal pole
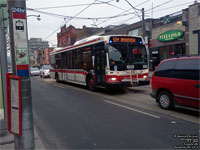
{"x":26,"y":140}
{"x":143,"y":24}
{"x":3,"y":63}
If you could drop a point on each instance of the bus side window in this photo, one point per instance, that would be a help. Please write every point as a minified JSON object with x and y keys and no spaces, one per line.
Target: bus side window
{"x":77,"y":59}
{"x":63,"y":55}
{"x":86,"y":58}
{"x":58,"y":61}
{"x":52,"y":61}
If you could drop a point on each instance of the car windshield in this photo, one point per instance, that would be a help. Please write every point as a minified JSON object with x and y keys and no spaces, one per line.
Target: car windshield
{"x":46,"y":67}
{"x":34,"y":69}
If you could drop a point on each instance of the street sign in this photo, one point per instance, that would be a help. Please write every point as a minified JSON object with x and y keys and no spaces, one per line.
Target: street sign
{"x":20,"y":40}
{"x":14,"y":103}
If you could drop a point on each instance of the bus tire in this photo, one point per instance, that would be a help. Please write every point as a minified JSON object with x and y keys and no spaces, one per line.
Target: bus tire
{"x":57,"y":78}
{"x":91,"y":84}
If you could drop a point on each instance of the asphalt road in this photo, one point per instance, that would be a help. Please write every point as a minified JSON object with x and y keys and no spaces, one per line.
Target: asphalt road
{"x":71,"y":117}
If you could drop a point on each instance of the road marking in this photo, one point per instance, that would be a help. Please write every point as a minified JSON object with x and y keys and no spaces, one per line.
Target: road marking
{"x":59,"y":86}
{"x":148,"y":114}
{"x":173,"y":122}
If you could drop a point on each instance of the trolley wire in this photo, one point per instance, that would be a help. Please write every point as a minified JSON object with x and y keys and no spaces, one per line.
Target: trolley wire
{"x":102,"y":2}
{"x":71,"y":19}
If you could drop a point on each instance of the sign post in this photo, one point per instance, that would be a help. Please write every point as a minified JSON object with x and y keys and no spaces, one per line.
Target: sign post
{"x":24,"y":138}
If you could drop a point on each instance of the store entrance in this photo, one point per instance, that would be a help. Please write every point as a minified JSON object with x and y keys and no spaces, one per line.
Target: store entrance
{"x":171,"y":51}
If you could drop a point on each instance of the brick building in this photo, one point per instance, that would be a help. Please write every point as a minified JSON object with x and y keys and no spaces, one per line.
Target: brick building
{"x":45,"y":56}
{"x":69,"y":35}
{"x":42,"y":56}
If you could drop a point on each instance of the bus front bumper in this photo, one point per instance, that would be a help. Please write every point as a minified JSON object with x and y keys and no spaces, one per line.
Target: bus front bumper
{"x":128,"y":83}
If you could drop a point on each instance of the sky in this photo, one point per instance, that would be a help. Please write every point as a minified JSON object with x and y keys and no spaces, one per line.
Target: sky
{"x":92,"y":13}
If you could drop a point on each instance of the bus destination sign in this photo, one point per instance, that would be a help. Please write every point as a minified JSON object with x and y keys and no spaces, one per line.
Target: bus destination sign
{"x":124,"y":39}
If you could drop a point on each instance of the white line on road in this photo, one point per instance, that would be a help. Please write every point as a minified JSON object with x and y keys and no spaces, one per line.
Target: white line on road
{"x":148,"y":114}
{"x":59,"y":86}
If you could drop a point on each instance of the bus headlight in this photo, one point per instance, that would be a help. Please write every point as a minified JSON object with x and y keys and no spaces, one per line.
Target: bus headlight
{"x":113,"y":79}
{"x":144,"y":77}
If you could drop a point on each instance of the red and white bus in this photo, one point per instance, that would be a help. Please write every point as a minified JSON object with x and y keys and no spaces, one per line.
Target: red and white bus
{"x":108,"y":61}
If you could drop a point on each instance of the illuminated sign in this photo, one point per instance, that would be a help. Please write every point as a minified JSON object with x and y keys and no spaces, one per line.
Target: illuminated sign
{"x":124,"y":39}
{"x":170,"y":35}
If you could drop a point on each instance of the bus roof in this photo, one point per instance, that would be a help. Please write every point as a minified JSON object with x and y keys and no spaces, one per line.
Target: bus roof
{"x":86,"y":42}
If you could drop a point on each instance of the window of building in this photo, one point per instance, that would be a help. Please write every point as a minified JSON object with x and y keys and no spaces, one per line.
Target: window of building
{"x":137,"y":31}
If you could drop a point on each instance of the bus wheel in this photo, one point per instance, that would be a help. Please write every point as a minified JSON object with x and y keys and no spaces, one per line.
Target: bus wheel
{"x":57,"y":79}
{"x":91,"y":84}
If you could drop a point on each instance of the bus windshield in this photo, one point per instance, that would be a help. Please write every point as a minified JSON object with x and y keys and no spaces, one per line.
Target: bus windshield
{"x":127,"y":54}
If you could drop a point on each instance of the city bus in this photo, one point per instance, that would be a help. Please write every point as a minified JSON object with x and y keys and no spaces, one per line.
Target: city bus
{"x":107,"y":61}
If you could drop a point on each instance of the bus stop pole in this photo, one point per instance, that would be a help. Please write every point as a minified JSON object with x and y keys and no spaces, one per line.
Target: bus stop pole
{"x":26,"y":140}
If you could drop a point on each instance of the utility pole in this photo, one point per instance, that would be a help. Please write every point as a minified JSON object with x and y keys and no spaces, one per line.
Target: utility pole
{"x":20,"y":65}
{"x":143,"y":24}
{"x":3,"y":66}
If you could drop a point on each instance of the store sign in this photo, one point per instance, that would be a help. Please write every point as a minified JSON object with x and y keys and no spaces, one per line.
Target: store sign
{"x":170,"y":35}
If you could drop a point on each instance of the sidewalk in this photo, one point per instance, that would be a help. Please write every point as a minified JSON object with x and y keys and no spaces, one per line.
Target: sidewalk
{"x":7,"y":141}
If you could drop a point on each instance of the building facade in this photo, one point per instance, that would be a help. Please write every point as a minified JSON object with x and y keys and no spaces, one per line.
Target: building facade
{"x":35,"y":44}
{"x":69,"y":35}
{"x":172,"y":35}
{"x":45,"y":56}
{"x":194,"y":24}
{"x":169,"y":37}
{"x":42,"y":56}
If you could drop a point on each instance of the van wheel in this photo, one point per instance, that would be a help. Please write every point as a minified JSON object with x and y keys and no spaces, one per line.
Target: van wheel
{"x":91,"y":84}
{"x":165,"y":100}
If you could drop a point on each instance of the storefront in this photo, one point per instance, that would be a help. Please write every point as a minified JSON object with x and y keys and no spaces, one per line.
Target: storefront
{"x":167,"y":44}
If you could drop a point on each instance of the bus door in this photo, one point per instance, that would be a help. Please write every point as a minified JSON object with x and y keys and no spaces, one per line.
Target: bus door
{"x":100,"y":66}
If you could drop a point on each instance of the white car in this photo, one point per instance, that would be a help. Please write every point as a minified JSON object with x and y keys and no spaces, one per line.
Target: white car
{"x":45,"y":71}
{"x":34,"y":71}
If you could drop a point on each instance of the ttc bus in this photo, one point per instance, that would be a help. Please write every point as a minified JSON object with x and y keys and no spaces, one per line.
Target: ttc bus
{"x":108,"y":61}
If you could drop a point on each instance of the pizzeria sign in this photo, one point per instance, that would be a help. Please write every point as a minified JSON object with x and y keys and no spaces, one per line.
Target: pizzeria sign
{"x":170,"y":35}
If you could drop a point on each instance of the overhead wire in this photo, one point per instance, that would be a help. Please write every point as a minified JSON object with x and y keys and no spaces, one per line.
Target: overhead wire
{"x":71,"y":18}
{"x":102,"y":2}
{"x":108,"y":18}
{"x":124,"y":11}
{"x":147,"y":12}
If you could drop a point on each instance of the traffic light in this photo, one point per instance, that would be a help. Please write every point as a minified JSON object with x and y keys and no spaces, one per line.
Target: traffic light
{"x":4,"y":15}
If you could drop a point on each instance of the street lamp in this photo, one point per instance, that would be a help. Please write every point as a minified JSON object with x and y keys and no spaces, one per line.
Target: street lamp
{"x":38,"y":16}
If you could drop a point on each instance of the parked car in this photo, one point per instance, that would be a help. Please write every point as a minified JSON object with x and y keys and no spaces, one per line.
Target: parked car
{"x":34,"y":71}
{"x":45,"y":71}
{"x":176,"y":82}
